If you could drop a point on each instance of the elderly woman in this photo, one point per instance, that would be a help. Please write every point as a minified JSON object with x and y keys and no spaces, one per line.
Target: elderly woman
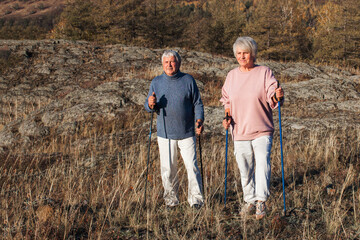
{"x":249,"y":94}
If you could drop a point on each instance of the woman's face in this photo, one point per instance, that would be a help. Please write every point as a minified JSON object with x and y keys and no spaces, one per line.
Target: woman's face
{"x":244,"y":58}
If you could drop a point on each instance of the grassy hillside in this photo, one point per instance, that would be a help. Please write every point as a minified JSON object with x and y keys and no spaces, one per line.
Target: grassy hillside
{"x":29,"y":9}
{"x":28,"y":19}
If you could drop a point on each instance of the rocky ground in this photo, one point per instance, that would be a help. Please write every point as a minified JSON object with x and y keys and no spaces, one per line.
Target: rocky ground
{"x":57,"y":84}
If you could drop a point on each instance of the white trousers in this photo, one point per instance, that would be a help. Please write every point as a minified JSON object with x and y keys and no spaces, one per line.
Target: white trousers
{"x":169,"y":174}
{"x":253,"y":159}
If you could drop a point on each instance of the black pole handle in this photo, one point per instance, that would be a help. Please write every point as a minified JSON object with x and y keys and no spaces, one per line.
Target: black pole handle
{"x":279,"y":100}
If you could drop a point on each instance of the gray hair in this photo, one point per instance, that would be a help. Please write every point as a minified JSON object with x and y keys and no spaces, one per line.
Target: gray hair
{"x":246,"y":43}
{"x":171,"y":53}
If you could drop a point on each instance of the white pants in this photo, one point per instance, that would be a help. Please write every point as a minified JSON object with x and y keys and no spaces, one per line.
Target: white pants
{"x":169,"y":174}
{"x":253,"y":159}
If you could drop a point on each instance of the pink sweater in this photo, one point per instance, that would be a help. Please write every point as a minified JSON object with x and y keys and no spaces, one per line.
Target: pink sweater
{"x":248,"y":95}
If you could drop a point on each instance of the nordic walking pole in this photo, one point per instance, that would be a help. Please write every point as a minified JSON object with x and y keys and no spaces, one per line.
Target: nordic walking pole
{"x":201,"y":165}
{"x":226,"y":152}
{"x":148,"y":157}
{"x":282,"y":155}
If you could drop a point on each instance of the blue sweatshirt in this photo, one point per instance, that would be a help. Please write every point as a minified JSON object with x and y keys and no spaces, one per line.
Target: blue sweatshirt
{"x":178,"y":105}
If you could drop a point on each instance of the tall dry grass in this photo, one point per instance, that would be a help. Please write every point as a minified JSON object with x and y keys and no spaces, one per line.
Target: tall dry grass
{"x":64,"y":192}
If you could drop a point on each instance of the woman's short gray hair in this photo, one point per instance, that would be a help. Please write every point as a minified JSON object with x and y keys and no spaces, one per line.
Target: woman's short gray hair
{"x":171,"y":53}
{"x":246,"y":43}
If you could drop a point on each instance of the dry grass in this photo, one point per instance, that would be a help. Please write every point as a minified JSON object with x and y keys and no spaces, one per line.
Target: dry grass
{"x":88,"y":193}
{"x":62,"y":191}
{"x":8,"y":61}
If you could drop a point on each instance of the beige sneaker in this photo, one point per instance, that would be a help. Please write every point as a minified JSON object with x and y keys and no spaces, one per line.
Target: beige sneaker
{"x":247,"y":209}
{"x":260,"y":210}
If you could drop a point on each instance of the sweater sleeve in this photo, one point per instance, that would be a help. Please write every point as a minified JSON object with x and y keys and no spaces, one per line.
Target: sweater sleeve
{"x":198,"y":105}
{"x":270,"y":86}
{"x":225,"y":96}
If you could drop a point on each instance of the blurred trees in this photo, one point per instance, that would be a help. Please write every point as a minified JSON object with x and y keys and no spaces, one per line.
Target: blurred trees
{"x":264,"y":25}
{"x":282,"y":28}
{"x":80,"y":18}
{"x":226,"y":24}
{"x":314,"y":30}
{"x":337,"y":37}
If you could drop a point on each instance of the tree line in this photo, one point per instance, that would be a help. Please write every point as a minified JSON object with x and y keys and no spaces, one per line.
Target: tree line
{"x":286,"y":30}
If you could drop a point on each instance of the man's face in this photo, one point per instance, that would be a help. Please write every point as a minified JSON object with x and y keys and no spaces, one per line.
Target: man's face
{"x":170,"y":65}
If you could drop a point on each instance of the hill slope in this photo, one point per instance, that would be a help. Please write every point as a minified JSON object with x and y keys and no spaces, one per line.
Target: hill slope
{"x":30,"y":9}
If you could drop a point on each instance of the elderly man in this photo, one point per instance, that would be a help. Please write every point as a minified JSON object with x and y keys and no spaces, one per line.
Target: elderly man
{"x":175,"y":97}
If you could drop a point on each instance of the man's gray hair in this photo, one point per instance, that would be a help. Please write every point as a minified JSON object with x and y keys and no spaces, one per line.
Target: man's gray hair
{"x":246,"y":43}
{"x":171,"y":53}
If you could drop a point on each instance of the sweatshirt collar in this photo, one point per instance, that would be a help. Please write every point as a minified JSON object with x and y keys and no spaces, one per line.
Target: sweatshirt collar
{"x":174,"y":77}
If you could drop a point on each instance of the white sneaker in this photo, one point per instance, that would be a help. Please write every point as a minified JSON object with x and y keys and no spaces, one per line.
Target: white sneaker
{"x":260,"y":210}
{"x":247,"y":209}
